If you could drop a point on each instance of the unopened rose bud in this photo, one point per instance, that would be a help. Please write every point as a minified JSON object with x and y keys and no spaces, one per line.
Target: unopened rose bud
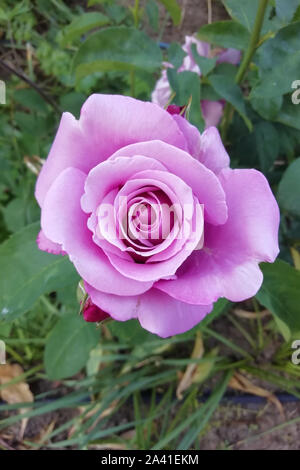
{"x":92,"y":313}
{"x":174,"y":109}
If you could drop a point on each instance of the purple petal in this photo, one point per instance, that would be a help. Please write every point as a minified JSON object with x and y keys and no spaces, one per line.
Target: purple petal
{"x":64,"y":222}
{"x":232,"y":56}
{"x":107,"y":123}
{"x":207,"y":147}
{"x":45,"y":244}
{"x":204,"y":183}
{"x":212,"y":112}
{"x":227,"y":266}
{"x":156,"y":311}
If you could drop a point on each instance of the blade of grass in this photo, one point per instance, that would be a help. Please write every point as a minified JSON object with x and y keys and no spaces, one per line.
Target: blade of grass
{"x":192,"y":418}
{"x":207,"y":411}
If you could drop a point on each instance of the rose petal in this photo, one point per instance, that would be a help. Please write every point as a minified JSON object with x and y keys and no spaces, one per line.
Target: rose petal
{"x":156,"y":311}
{"x":107,"y":123}
{"x":64,"y":222}
{"x":113,"y":173}
{"x":232,"y":56}
{"x":205,"y":185}
{"x":212,"y":112}
{"x":208,"y":147}
{"x":45,"y":244}
{"x":228,"y":264}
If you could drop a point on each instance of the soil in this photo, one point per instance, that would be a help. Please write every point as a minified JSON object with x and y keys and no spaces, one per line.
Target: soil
{"x":194,"y":15}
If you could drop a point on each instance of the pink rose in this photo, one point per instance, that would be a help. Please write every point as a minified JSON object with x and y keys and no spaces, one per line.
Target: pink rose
{"x":212,"y":110}
{"x":149,"y":212}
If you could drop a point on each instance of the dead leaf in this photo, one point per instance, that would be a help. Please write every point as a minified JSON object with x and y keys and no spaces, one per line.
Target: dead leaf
{"x":240,"y":382}
{"x":108,"y":446}
{"x":296,"y":257}
{"x":34,"y":163}
{"x":239,"y":312}
{"x":187,"y":378}
{"x":18,"y":392}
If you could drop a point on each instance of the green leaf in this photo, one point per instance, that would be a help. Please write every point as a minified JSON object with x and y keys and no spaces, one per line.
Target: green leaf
{"x":283,"y":329}
{"x":186,"y":86}
{"x":225,"y":34}
{"x":205,"y":64}
{"x":289,"y":114}
{"x":231,"y":92}
{"x":82,"y":24}
{"x":29,"y":272}
{"x":176,"y":54}
{"x":31,"y":99}
{"x":280,"y":292}
{"x":130,"y":332}
{"x":289,"y":189}
{"x":278,"y":60}
{"x":20,"y":212}
{"x":268,"y":108}
{"x":117,"y":48}
{"x":267,"y":144}
{"x":244,"y":12}
{"x":284,"y":12}
{"x":72,"y":102}
{"x":26,"y":122}
{"x":174,"y":9}
{"x":153,"y":14}
{"x":68,"y":346}
{"x":208,"y":93}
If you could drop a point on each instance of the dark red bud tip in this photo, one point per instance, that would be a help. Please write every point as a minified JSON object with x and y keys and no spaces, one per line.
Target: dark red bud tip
{"x":92,"y":313}
{"x":174,"y":109}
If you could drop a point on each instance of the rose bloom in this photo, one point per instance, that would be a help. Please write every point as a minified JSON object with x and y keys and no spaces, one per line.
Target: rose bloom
{"x":212,"y":110}
{"x":209,"y":225}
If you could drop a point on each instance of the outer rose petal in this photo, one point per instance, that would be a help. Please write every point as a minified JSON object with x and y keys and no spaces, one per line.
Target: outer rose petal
{"x":207,"y":147}
{"x":231,"y":56}
{"x":228,"y":264}
{"x":203,"y":49}
{"x":107,"y":123}
{"x":204,"y":183}
{"x":212,"y":152}
{"x":64,"y":222}
{"x":212,"y":112}
{"x":45,"y":244}
{"x":162,"y":91}
{"x":156,"y":311}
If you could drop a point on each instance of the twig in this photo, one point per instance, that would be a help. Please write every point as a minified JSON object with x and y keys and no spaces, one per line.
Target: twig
{"x":32,"y":84}
{"x":209,"y":12}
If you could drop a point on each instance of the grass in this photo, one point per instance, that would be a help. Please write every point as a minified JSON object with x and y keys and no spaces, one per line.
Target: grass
{"x":131,"y":400}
